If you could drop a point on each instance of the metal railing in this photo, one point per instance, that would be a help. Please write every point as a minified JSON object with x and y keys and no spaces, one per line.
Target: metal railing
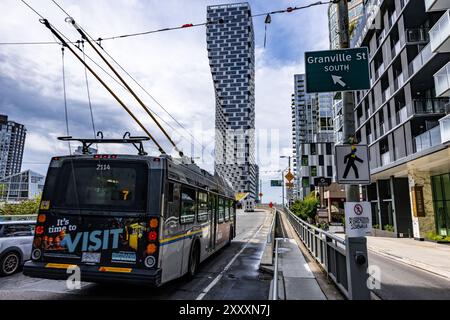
{"x":327,"y":249}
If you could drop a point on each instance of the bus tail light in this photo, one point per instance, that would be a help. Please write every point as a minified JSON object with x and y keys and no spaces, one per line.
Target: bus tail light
{"x":41,"y":218}
{"x":153,"y":223}
{"x":151,"y":248}
{"x":152,"y":236}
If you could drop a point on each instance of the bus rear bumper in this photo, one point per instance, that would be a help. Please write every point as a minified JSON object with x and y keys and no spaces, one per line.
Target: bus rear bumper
{"x":92,"y":274}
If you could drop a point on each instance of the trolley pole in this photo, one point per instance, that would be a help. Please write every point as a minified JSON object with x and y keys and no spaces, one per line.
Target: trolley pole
{"x":356,"y":248}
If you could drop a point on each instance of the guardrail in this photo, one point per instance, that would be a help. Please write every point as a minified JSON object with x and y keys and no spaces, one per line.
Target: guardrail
{"x":328,"y":250}
{"x":25,"y":217}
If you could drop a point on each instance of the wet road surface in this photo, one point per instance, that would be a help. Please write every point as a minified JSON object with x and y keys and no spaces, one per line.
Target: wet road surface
{"x":240,"y":281}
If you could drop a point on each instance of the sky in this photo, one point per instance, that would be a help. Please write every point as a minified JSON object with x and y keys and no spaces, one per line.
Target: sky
{"x":171,"y":66}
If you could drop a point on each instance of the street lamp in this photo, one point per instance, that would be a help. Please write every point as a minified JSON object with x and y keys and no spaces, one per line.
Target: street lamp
{"x":282,"y":177}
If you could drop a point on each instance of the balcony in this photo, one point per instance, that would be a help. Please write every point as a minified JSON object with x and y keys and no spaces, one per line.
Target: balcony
{"x":427,"y":139}
{"x":442,"y":81}
{"x":399,"y":81}
{"x":437,"y":5}
{"x":444,"y":124}
{"x":401,"y":115}
{"x":429,"y":106}
{"x":418,"y":35}
{"x":385,"y":95}
{"x":385,"y":159}
{"x":421,"y":59}
{"x":440,"y":34}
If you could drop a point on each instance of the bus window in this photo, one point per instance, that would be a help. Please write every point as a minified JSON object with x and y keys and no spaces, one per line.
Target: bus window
{"x":173,"y":200}
{"x":221,"y":209}
{"x":233,"y":209}
{"x":202,"y":215}
{"x":101,"y":185}
{"x":227,"y":210}
{"x":188,"y":205}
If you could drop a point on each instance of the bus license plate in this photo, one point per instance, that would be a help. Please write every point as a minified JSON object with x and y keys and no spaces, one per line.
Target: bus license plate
{"x":90,"y":257}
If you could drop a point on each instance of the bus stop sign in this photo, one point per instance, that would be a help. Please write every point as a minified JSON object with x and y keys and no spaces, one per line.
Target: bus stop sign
{"x":337,"y":70}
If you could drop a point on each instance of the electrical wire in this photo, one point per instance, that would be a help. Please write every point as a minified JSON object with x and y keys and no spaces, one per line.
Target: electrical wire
{"x":184,"y":26}
{"x":138,"y":84}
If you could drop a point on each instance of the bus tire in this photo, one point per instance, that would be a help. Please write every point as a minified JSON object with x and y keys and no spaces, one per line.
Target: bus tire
{"x":194,"y":259}
{"x":230,"y":237}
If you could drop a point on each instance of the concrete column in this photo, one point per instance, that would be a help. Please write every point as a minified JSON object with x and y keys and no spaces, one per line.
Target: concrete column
{"x":380,"y":226}
{"x":394,"y":208}
{"x":422,"y":225}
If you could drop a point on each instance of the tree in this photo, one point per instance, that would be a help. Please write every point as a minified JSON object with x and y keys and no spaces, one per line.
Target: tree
{"x":26,"y":207}
{"x":306,"y":209}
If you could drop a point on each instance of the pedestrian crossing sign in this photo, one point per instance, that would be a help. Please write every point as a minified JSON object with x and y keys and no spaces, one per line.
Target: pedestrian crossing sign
{"x":352,"y":164}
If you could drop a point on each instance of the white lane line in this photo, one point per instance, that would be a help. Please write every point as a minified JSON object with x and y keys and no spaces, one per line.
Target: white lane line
{"x":220,"y":275}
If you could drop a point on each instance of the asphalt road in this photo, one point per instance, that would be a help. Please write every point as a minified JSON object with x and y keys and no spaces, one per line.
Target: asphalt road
{"x":241,"y":281}
{"x":401,"y":281}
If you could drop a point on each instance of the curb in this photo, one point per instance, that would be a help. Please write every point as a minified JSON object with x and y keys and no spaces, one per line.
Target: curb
{"x":409,"y":262}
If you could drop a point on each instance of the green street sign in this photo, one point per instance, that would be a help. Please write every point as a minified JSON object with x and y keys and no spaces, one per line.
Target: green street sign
{"x":276,"y":183}
{"x":337,"y":70}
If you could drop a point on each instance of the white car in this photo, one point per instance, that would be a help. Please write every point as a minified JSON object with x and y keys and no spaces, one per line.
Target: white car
{"x":16,"y":239}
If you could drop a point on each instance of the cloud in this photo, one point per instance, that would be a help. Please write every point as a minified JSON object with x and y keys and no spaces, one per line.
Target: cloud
{"x":173,"y":66}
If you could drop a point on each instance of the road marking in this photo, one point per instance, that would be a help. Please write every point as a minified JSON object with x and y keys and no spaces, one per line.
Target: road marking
{"x":220,"y":275}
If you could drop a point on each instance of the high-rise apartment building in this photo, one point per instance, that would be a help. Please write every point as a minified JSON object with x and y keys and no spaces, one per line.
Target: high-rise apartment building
{"x":313,"y":136}
{"x":355,"y":12}
{"x":12,"y":142}
{"x":404,"y":117}
{"x":231,"y":52}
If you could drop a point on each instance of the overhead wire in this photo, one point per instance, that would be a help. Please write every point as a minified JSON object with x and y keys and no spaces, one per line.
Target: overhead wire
{"x":184,"y":26}
{"x":61,"y":37}
{"x":136,"y":82}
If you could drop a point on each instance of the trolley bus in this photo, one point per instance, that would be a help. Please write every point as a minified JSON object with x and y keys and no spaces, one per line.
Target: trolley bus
{"x":129,"y":218}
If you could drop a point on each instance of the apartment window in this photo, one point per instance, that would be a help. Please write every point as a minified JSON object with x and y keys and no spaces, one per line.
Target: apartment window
{"x":321,"y":160}
{"x":313,"y":148}
{"x":305,"y":182}
{"x":304,"y":161}
{"x":329,"y":150}
{"x":313,"y":171}
{"x":329,"y":171}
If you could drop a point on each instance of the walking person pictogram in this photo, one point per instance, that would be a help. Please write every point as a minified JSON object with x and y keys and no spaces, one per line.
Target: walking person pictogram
{"x":350,"y":159}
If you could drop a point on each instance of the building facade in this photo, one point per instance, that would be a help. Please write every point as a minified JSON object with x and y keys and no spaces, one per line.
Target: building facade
{"x":231,"y":52}
{"x":21,"y":186}
{"x":12,"y":142}
{"x":313,"y":137}
{"x":404,"y":116}
{"x":355,"y":12}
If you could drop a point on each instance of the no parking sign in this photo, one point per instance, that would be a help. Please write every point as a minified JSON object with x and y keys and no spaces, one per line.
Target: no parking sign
{"x":358,"y":219}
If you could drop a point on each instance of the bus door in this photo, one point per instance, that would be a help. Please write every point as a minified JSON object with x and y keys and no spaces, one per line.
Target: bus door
{"x":213,"y":223}
{"x":172,"y":250}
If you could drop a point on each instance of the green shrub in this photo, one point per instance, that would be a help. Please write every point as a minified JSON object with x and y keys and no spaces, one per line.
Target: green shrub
{"x":306,"y":208}
{"x":23,"y":208}
{"x":389,"y":227}
{"x":436,"y":237}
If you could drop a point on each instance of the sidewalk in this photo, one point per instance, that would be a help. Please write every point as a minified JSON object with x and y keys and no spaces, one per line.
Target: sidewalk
{"x":429,"y":256}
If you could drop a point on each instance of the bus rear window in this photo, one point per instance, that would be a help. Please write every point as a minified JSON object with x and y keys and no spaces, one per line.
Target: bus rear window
{"x":102,"y":185}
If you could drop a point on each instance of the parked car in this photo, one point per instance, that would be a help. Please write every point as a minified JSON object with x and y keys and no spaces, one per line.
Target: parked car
{"x":16,"y":239}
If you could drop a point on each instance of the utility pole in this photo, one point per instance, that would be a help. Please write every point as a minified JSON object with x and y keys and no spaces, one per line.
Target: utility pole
{"x":348,"y":103}
{"x":356,"y":248}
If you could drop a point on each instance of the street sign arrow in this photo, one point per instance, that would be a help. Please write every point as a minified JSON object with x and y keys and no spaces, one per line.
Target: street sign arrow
{"x":338,"y":80}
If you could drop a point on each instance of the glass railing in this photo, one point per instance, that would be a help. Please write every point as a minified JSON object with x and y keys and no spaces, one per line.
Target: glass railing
{"x":429,"y":4}
{"x":385,"y":95}
{"x":445,"y":128}
{"x":369,"y":138}
{"x":421,"y":59}
{"x":428,"y":106}
{"x":440,"y":31}
{"x":418,"y":35}
{"x":442,"y":80}
{"x":399,"y":81}
{"x":385,"y":159}
{"x":402,"y":115}
{"x":427,"y":139}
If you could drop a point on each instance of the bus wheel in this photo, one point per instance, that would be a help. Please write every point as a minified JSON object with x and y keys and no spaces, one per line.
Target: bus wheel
{"x":193,"y":261}
{"x":230,"y":237}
